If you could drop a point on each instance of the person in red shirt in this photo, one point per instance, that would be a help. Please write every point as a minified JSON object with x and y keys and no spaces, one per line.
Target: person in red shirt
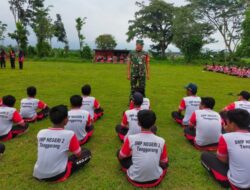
{"x":143,"y":156}
{"x":12,"y":58}
{"x":53,"y":164}
{"x":230,"y":166}
{"x":8,"y":117}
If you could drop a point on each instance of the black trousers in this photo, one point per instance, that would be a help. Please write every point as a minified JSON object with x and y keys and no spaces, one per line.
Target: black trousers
{"x":212,"y":163}
{"x":3,"y":64}
{"x":20,"y":65}
{"x":77,"y":163}
{"x":2,"y":148}
{"x":12,"y":63}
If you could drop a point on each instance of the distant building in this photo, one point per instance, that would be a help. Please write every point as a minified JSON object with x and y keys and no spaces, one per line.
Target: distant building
{"x":110,"y":56}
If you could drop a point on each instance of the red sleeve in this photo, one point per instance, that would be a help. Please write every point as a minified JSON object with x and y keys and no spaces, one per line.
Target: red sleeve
{"x":125,"y":119}
{"x":131,"y":105}
{"x":17,"y":118}
{"x":182,"y":105}
{"x":96,"y":104}
{"x":164,"y":154}
{"x":1,"y":102}
{"x":74,"y":146}
{"x":230,"y":107}
{"x":41,"y":105}
{"x":222,"y":147}
{"x":192,"y":121}
{"x":89,"y":120}
{"x":125,"y":150}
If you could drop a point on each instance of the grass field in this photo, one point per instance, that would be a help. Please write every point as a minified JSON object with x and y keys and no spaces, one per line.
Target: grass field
{"x":57,"y":81}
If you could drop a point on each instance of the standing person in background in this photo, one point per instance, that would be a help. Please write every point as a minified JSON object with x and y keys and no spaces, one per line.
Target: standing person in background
{"x":21,"y":59}
{"x":138,"y":68}
{"x":2,"y":59}
{"x":12,"y":58}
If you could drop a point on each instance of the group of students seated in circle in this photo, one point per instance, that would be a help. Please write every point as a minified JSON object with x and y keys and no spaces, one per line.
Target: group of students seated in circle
{"x":70,"y":130}
{"x":143,"y":155}
{"x":227,"y":133}
{"x":242,"y":72}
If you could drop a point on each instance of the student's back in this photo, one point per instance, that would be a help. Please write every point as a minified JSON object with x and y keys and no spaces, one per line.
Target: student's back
{"x":130,"y":118}
{"x":29,"y":107}
{"x":8,"y":115}
{"x":78,"y":120}
{"x":89,"y":103}
{"x":208,"y":127}
{"x":53,"y":147}
{"x":147,"y":149}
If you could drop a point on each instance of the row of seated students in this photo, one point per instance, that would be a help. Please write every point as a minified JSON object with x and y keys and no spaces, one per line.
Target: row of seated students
{"x":70,"y":129}
{"x":227,"y":132}
{"x":243,"y":72}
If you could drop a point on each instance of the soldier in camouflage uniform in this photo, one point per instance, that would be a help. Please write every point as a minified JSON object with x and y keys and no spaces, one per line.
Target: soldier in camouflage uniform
{"x":138,"y":68}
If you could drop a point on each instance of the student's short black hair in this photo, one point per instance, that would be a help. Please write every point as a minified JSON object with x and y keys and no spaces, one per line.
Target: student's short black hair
{"x":9,"y":100}
{"x":240,"y":117}
{"x":76,"y":101}
{"x":58,"y":113}
{"x":208,"y":102}
{"x":146,"y":118}
{"x":31,"y":91}
{"x":86,"y":90}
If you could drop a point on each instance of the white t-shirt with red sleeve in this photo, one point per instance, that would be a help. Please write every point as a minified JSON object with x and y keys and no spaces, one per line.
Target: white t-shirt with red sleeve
{"x":147,"y":150}
{"x":145,"y":104}
{"x":29,"y":107}
{"x":78,"y":119}
{"x":8,"y":116}
{"x":208,"y":124}
{"x":89,"y":104}
{"x":236,"y":147}
{"x":130,"y":119}
{"x":245,"y":105}
{"x":53,"y":147}
{"x":189,"y":104}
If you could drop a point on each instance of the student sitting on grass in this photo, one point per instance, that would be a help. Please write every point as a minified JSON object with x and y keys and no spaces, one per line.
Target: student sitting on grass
{"x":230,"y":167}
{"x":129,"y":124}
{"x":143,"y":156}
{"x":53,"y":163}
{"x":2,"y":148}
{"x":242,"y":103}
{"x":8,"y":117}
{"x":31,"y":104}
{"x":79,"y":120}
{"x":91,"y":104}
{"x":145,"y":104}
{"x":189,"y":104}
{"x":205,"y":125}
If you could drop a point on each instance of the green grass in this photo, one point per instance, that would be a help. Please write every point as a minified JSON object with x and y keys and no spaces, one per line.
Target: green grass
{"x":57,"y":81}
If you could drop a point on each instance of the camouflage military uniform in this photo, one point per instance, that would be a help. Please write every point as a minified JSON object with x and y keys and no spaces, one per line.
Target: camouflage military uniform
{"x":138,"y":70}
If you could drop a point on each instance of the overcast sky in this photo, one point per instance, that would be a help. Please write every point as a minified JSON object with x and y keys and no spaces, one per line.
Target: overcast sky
{"x":103,"y":17}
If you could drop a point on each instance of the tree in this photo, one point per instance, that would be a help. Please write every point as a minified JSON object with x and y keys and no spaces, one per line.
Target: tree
{"x":86,"y":52}
{"x":226,"y":16}
{"x":20,"y":35}
{"x":79,"y":24}
{"x":105,"y":41}
{"x":153,"y":21}
{"x":59,"y":30}
{"x":3,"y":28}
{"x":41,"y":25}
{"x":244,"y":48}
{"x":190,"y":35}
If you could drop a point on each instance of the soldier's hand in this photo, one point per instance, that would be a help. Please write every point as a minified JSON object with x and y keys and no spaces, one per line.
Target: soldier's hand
{"x":147,"y":77}
{"x":128,"y":77}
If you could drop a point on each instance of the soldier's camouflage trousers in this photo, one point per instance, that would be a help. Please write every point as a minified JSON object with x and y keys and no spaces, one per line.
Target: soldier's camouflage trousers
{"x":137,"y":81}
